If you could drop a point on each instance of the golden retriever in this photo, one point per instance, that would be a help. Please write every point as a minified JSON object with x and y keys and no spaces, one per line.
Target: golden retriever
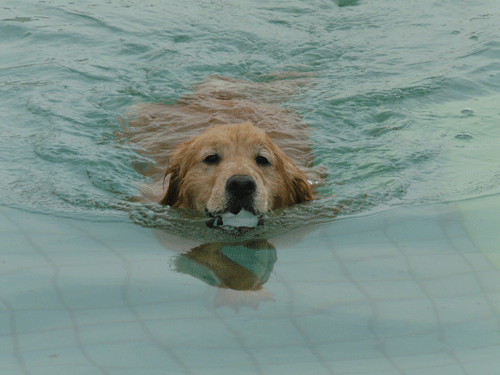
{"x":233,"y":167}
{"x":234,"y":164}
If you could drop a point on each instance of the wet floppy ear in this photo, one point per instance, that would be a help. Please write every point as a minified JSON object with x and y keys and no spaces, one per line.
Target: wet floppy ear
{"x":175,"y":171}
{"x":301,"y":190}
{"x":298,"y":189}
{"x":172,"y":194}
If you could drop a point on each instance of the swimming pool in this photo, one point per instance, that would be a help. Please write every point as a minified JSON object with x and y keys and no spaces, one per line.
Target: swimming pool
{"x":404,"y":117}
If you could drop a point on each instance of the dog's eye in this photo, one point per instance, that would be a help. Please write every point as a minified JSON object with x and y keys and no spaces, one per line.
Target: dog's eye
{"x":212,"y":159}
{"x":262,"y":160}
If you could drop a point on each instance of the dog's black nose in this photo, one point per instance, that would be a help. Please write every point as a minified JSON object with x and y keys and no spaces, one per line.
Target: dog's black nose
{"x":241,"y":186}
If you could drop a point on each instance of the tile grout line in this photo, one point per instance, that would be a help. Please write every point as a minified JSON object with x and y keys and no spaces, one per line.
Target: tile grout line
{"x":290,"y":315}
{"x":241,"y":341}
{"x":15,"y":341}
{"x":429,"y":298}
{"x":124,"y":295}
{"x":494,"y":311}
{"x":54,"y":281}
{"x":373,"y":306}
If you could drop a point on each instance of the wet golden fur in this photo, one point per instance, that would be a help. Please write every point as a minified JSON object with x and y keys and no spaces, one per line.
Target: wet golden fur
{"x":238,"y":121}
{"x":195,"y":184}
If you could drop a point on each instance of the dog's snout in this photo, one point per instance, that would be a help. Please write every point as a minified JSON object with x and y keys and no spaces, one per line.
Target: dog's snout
{"x":241,"y":186}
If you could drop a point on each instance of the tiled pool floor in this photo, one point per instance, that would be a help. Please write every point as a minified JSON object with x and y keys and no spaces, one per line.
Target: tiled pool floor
{"x":410,"y":291}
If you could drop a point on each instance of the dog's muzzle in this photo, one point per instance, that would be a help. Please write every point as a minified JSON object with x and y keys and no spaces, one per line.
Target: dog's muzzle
{"x":240,"y":190}
{"x":239,"y":210}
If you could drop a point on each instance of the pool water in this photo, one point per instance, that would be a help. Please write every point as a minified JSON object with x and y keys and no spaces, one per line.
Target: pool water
{"x":396,"y":270}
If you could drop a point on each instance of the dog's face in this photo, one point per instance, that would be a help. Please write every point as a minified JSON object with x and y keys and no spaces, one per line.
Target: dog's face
{"x":233,"y":167}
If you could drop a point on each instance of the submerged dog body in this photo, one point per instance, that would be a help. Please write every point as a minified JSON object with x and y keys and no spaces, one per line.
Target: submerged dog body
{"x":233,"y":167}
{"x":223,"y":148}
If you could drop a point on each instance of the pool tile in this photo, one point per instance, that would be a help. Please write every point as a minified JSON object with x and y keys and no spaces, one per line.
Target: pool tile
{"x":66,"y":244}
{"x":389,"y":290}
{"x":479,"y":263}
{"x":311,"y":367}
{"x":438,"y":265}
{"x":201,"y":359}
{"x":390,"y":268}
{"x":473,"y":335}
{"x":460,"y":285}
{"x":6,"y":224}
{"x":312,"y":251}
{"x":13,"y":371}
{"x":192,"y":308}
{"x":326,"y":271}
{"x":14,"y":243}
{"x":363,"y":252}
{"x":31,"y":291}
{"x":405,"y":318}
{"x":417,"y":229}
{"x":364,"y":366}
{"x":9,"y":363}
{"x":424,"y":362}
{"x":349,"y":350}
{"x":484,"y":353}
{"x":453,"y":227}
{"x":33,"y":321}
{"x":463,"y":244}
{"x":437,"y":370}
{"x":50,"y":342}
{"x":335,"y":301}
{"x":185,"y":333}
{"x":413,"y":345}
{"x":98,"y":294}
{"x":67,"y":261}
{"x":5,"y":321}
{"x":490,"y":280}
{"x":111,"y":333}
{"x":40,"y":223}
{"x":104,"y":315}
{"x":335,"y":324}
{"x":285,"y":355}
{"x":23,"y":269}
{"x":426,"y":247}
{"x":306,"y":294}
{"x":461,"y":309}
{"x":484,"y":367}
{"x":267,"y":334}
{"x":361,"y":238}
{"x":130,"y":353}
{"x":226,"y":370}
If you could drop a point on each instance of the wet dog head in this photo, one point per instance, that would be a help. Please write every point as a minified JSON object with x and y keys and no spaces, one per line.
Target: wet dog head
{"x":233,"y":167}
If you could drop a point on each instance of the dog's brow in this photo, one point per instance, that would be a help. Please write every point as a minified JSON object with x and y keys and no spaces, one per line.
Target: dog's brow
{"x":205,"y":151}
{"x":261,"y":149}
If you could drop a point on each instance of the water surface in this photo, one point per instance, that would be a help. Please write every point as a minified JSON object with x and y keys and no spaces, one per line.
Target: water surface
{"x":394,"y":86}
{"x":400,"y":277}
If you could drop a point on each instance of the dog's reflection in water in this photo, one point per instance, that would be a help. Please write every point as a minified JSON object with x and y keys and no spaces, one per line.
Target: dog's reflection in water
{"x":238,"y":270}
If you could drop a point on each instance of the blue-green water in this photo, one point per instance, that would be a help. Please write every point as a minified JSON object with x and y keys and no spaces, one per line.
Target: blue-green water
{"x":404,"y":112}
{"x":394,"y":84}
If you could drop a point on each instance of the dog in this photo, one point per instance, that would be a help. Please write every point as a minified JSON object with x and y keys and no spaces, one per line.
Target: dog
{"x":233,"y":167}
{"x":221,"y":150}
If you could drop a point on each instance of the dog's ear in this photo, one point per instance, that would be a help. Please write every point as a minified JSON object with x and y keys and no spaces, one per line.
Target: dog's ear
{"x":298,"y":189}
{"x":175,"y":173}
{"x":301,"y":190}
{"x":172,"y":194}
